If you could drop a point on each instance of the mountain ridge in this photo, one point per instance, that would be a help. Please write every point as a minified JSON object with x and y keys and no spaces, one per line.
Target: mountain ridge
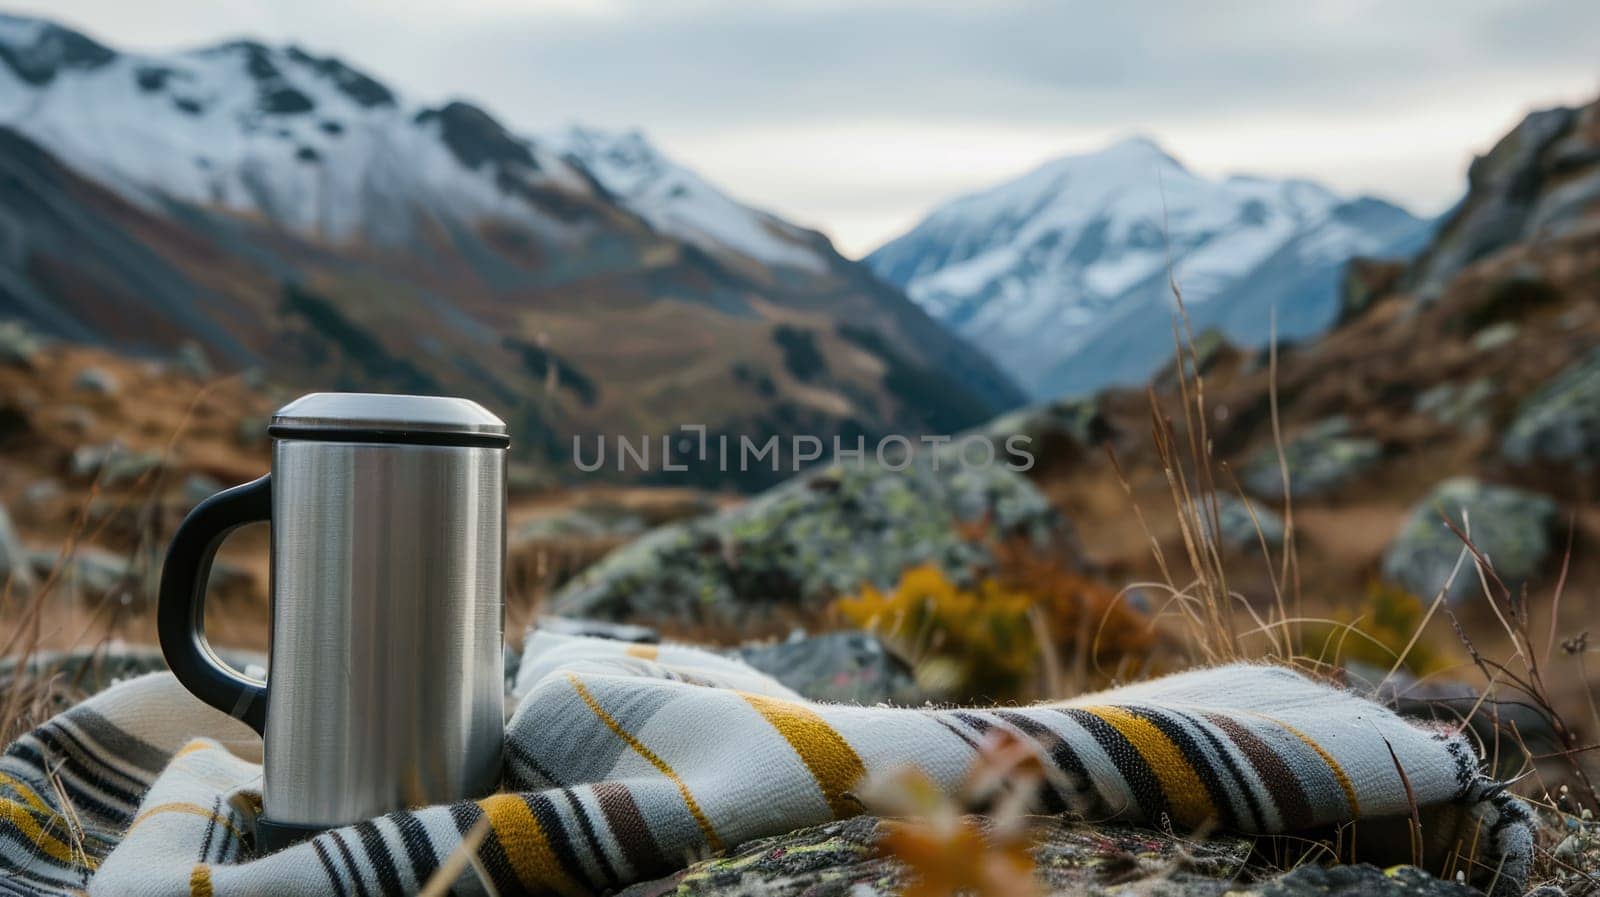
{"x":284,"y":209}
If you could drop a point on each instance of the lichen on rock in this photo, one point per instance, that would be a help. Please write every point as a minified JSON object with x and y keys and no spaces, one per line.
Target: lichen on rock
{"x":819,"y":535}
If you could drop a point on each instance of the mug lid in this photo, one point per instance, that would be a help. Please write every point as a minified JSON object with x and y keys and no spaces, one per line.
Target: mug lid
{"x":399,"y":419}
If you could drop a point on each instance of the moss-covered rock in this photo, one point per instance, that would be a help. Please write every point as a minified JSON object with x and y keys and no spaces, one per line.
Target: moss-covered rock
{"x":841,"y":667}
{"x":1057,"y":434}
{"x":803,"y":542}
{"x":1242,"y":523}
{"x":1320,"y":460}
{"x":1511,"y":527}
{"x":1560,"y":423}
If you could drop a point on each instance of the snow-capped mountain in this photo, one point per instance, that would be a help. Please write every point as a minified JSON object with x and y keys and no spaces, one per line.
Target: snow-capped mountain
{"x":285,"y":210}
{"x":329,"y":152}
{"x":677,"y":201}
{"x":303,"y":141}
{"x":1062,"y":275}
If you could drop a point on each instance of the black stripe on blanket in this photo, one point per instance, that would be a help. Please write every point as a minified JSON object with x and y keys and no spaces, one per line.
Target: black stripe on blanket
{"x":493,"y":854}
{"x":211,"y":830}
{"x":1135,"y":770}
{"x":328,"y":867}
{"x":1253,"y":805}
{"x":1179,"y":735}
{"x":589,"y":836}
{"x":30,"y":847}
{"x":349,"y":862}
{"x":950,"y":727}
{"x":1061,"y":755}
{"x":107,"y":778}
{"x":544,"y":812}
{"x":81,"y":799}
{"x":378,"y":853}
{"x":124,"y":745}
{"x":419,"y":847}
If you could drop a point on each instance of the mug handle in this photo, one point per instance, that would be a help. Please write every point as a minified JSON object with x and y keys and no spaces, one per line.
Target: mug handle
{"x":180,"y":616}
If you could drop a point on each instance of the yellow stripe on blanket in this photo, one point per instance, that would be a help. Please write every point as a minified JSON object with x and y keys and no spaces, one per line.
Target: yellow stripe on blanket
{"x":1191,"y":803}
{"x":189,"y":809}
{"x":200,"y":881}
{"x":831,"y":759}
{"x":198,"y":744}
{"x":23,"y":818}
{"x":644,"y":652}
{"x":527,"y":846}
{"x":712,"y":838}
{"x":28,"y":794}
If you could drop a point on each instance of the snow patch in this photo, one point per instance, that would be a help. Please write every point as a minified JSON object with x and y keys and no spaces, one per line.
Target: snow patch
{"x":677,"y":201}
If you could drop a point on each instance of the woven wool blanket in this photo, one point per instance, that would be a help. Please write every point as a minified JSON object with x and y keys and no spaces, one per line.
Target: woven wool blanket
{"x":625,"y":761}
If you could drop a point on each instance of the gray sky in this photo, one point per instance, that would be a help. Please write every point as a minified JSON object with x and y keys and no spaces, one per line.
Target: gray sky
{"x":857,"y":118}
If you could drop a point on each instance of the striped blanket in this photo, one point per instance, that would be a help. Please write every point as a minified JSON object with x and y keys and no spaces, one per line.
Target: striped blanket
{"x":625,"y":761}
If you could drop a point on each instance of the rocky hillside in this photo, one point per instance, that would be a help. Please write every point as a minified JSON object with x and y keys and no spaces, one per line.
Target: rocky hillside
{"x":284,"y":211}
{"x":1466,"y":383}
{"x":1062,"y":274}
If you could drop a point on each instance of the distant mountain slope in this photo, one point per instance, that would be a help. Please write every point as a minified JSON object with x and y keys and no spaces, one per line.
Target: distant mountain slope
{"x":1062,"y":274}
{"x":288,"y":211}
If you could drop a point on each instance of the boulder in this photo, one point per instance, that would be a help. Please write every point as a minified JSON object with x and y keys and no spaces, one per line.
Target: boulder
{"x":76,"y":419}
{"x":1495,"y":335}
{"x":1511,"y":527}
{"x":89,"y":570}
{"x":16,"y":573}
{"x":810,"y":539}
{"x":1465,"y":408}
{"x":840,"y":667}
{"x":42,"y":493}
{"x":18,"y":346}
{"x":1056,"y":432}
{"x":1237,"y":529}
{"x":192,"y":360}
{"x":112,"y":464}
{"x":1320,"y":461}
{"x":1560,"y":423}
{"x":98,"y":381}
{"x":94,"y":572}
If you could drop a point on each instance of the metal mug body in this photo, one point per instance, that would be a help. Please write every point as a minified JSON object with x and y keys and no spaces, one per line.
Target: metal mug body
{"x":386,"y":680}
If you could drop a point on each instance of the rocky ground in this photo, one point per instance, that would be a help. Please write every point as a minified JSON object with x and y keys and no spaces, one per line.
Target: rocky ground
{"x":847,"y":859}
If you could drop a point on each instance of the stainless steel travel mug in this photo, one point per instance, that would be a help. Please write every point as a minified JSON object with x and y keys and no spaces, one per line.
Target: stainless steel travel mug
{"x":385,"y":684}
